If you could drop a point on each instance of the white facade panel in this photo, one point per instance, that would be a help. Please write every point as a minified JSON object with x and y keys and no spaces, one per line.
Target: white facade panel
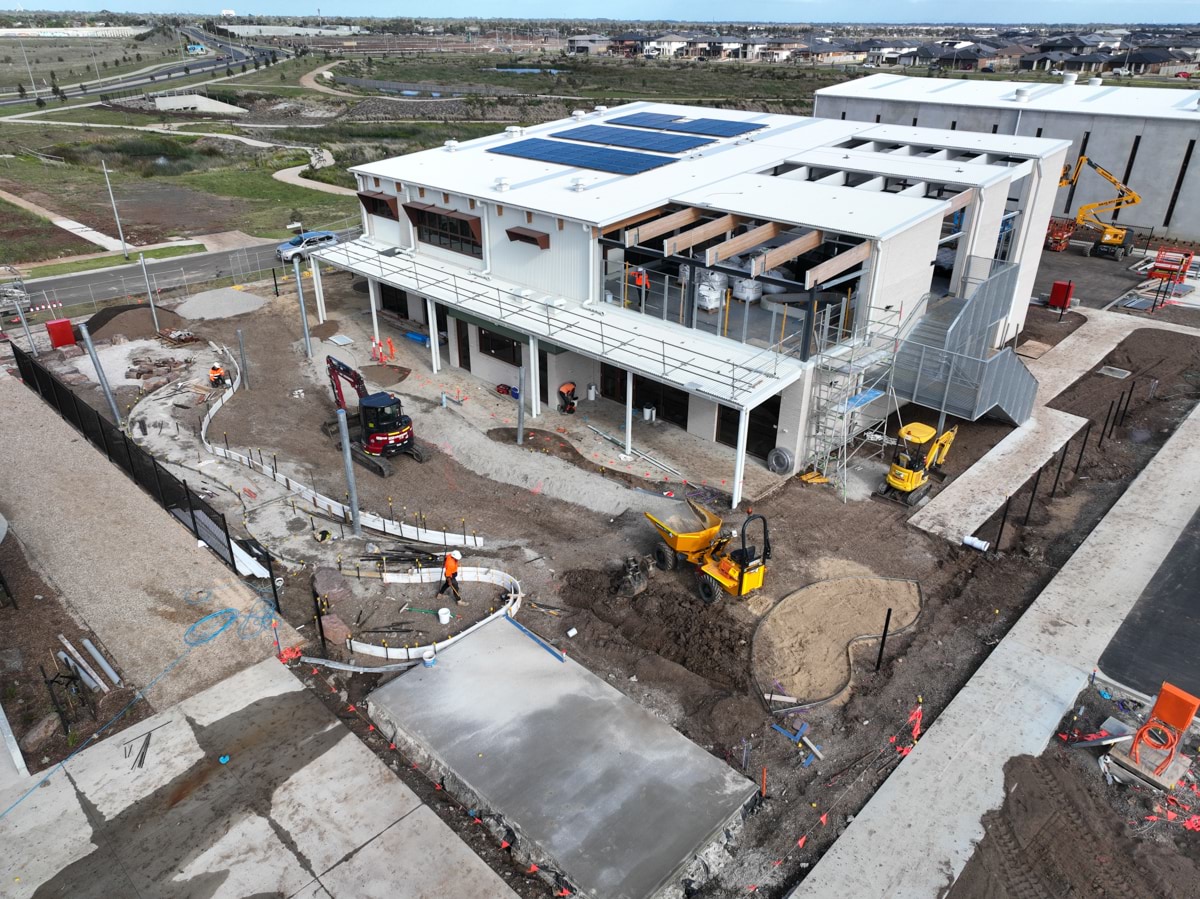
{"x":561,"y":270}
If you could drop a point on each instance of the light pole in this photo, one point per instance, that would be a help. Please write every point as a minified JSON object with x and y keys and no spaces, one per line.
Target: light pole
{"x":28,"y":69}
{"x":112,"y":199}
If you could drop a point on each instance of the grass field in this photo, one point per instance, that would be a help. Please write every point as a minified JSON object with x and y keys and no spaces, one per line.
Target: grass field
{"x":87,"y":265}
{"x":25,"y":237}
{"x":285,"y":73}
{"x":73,"y":60}
{"x":102,"y":116}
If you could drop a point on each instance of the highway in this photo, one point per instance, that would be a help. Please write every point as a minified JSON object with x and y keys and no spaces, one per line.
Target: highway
{"x":165,"y":274}
{"x":231,"y":55}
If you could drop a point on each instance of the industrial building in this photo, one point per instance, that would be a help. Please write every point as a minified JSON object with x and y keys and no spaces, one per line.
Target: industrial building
{"x":1146,"y":136}
{"x":779,"y":284}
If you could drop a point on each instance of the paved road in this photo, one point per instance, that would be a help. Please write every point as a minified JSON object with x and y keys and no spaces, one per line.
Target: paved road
{"x":160,"y":79}
{"x":113,"y":283}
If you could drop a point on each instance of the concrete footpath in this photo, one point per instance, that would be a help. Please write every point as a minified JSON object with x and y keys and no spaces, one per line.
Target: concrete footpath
{"x":967,"y":502}
{"x":249,"y":788}
{"x":121,"y":563}
{"x":917,"y":833}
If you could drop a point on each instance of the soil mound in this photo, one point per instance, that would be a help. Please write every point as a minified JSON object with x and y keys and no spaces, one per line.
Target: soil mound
{"x":134,"y":321}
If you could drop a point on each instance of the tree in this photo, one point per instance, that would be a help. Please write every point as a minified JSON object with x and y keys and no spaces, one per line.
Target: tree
{"x":21,"y":91}
{"x":187,"y":70}
{"x":229,"y":71}
{"x":243,"y":68}
{"x":41,"y":104}
{"x":257,"y":64}
{"x":274,"y":57}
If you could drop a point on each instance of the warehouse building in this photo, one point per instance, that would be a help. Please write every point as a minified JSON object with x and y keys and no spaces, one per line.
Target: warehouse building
{"x":746,"y":276}
{"x":1145,"y":136}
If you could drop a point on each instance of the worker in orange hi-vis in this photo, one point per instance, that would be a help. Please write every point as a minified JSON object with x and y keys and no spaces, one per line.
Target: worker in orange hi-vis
{"x":450,"y":575}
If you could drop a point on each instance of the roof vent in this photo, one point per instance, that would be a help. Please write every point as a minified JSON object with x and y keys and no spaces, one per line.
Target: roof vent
{"x":600,"y":110}
{"x":1069,"y":78}
{"x":578,"y":114}
{"x":513,"y":130}
{"x":1022,"y":95}
{"x":577,"y":185}
{"x":501,"y":184}
{"x":1095,"y":82}
{"x":451,"y":145}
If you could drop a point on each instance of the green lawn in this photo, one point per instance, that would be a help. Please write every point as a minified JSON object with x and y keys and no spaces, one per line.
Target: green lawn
{"x":101,"y":115}
{"x":87,"y":265}
{"x":25,"y":237}
{"x":269,"y":76}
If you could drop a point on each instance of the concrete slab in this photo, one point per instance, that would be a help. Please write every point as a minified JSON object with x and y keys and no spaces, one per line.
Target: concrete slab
{"x":605,"y":792}
{"x":1158,"y":641}
{"x":297,"y":799}
{"x":935,"y":800}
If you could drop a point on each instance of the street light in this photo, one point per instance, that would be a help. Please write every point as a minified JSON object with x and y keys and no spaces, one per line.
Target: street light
{"x":112,"y":199}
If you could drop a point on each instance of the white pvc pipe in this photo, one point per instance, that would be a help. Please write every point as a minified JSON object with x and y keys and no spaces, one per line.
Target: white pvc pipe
{"x":976,"y":543}
{"x":70,"y":663}
{"x":102,"y":662}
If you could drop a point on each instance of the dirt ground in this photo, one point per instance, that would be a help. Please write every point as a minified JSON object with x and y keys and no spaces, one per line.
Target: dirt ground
{"x":1062,"y":831}
{"x":804,"y":645}
{"x":690,"y":663}
{"x":29,"y":639}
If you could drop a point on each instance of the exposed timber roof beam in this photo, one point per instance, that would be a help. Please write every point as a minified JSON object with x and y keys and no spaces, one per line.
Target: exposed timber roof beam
{"x":699,"y":234}
{"x":659,"y":227}
{"x":838,"y":264}
{"x":959,"y":200}
{"x":633,"y":220}
{"x":742,"y":242}
{"x":760,"y":265}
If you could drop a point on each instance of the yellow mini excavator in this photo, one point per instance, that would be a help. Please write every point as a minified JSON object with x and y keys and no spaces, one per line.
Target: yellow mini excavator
{"x":920,"y":452}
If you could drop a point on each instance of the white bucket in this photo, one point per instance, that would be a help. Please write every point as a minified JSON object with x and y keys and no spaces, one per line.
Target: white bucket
{"x":443,"y":616}
{"x":428,"y":659}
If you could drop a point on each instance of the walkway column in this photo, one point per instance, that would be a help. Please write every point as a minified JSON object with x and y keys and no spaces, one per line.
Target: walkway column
{"x":318,"y":288}
{"x":535,"y":379}
{"x":431,"y":323}
{"x":628,"y":413}
{"x":739,"y":461}
{"x":373,"y":292}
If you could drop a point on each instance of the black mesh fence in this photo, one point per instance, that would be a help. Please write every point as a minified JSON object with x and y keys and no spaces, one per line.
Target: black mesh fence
{"x":173,"y":494}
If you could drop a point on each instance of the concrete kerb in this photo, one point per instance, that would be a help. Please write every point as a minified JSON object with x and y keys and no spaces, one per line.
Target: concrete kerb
{"x":319,"y":501}
{"x":432,"y":575}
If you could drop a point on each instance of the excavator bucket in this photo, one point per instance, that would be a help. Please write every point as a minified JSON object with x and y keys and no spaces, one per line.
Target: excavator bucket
{"x":635,"y":580}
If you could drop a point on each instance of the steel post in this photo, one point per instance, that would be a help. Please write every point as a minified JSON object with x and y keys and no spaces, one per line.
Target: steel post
{"x":242,"y":356}
{"x":149,"y":291}
{"x":1003,"y":522}
{"x":1083,"y":445}
{"x":303,"y":313}
{"x":1058,"y":474}
{"x":887,"y":624}
{"x":520,"y":405}
{"x":108,"y":394}
{"x":113,"y":200}
{"x":1032,"y":496}
{"x":348,"y":464}
{"x":21,"y":316}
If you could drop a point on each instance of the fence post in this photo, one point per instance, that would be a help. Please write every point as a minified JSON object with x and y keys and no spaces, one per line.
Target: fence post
{"x":162,"y":497}
{"x":229,"y":544}
{"x":191,"y":509}
{"x":274,"y":589}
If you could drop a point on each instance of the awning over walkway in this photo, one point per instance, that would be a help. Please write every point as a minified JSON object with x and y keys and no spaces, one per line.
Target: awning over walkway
{"x":731,"y":373}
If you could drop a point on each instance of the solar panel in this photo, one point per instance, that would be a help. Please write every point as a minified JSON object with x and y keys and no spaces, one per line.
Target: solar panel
{"x":638,"y":140}
{"x":600,"y":159}
{"x":710,"y":127}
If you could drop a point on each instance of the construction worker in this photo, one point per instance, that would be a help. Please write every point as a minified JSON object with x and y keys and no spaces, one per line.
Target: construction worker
{"x":450,"y":575}
{"x":216,"y":376}
{"x":567,"y":398}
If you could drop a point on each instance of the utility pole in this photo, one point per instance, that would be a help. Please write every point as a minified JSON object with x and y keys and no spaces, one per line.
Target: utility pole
{"x":113,"y":200}
{"x":28,"y":69}
{"x":149,"y":291}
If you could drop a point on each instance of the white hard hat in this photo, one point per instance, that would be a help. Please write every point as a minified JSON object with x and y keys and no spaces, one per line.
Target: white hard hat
{"x":456,"y":554}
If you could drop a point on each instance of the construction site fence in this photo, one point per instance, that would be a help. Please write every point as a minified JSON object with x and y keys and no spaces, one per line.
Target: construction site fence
{"x":173,"y":494}
{"x":510,"y":607}
{"x":387,"y":526}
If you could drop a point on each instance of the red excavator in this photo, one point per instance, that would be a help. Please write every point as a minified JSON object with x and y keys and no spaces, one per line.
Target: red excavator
{"x":380,"y":430}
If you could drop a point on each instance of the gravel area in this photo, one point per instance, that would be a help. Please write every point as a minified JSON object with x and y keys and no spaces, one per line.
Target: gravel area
{"x":224,"y":302}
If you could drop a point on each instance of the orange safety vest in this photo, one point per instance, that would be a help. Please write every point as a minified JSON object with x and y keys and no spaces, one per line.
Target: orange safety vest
{"x":639,"y":278}
{"x":451,"y":565}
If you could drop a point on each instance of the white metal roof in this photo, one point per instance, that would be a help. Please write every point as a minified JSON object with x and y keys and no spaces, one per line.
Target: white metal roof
{"x":546,"y":187}
{"x":1077,"y":99}
{"x":740,"y":375}
{"x":896,"y":166}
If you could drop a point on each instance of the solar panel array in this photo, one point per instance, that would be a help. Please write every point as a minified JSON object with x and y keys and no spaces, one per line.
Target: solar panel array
{"x":661,"y":142}
{"x":710,"y":127}
{"x":600,"y":159}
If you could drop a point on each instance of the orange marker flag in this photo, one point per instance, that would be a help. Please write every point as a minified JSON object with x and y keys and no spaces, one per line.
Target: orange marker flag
{"x":800,"y":842}
{"x":825,"y":819}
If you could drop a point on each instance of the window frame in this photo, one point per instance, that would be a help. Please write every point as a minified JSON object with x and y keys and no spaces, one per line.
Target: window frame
{"x":447,"y":229}
{"x":505,"y":349}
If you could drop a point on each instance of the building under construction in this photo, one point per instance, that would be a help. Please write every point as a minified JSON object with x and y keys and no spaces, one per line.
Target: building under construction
{"x":778,"y":284}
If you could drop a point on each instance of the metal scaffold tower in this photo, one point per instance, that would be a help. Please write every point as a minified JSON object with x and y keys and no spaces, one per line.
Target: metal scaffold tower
{"x":853,"y":396}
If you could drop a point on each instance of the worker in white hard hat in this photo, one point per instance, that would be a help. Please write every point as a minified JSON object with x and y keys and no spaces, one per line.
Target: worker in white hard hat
{"x":450,"y":575}
{"x":216,"y":376}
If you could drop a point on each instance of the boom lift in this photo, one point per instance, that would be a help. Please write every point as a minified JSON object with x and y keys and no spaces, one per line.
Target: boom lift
{"x":380,"y":430}
{"x":1113,"y":242}
{"x":920,"y":453}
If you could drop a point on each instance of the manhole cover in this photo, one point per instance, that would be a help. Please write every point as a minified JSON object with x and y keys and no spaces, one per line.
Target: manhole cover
{"x":1111,"y":371}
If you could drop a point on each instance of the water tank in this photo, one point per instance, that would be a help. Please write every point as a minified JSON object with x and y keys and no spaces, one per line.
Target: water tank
{"x":780,"y":460}
{"x":1069,"y":78}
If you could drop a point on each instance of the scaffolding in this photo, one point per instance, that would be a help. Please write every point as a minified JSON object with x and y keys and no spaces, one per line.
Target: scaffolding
{"x":852,"y":394}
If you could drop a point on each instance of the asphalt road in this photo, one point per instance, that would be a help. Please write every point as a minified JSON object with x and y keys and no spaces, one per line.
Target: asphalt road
{"x":232,"y":55}
{"x":165,"y":274}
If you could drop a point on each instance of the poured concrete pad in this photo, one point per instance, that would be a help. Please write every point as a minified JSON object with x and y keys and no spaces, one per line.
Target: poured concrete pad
{"x":604,"y":791}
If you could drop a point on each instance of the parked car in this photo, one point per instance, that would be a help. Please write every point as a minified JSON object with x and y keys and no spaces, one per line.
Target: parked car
{"x":870,"y":65}
{"x":10,"y":296}
{"x":1183,"y":74}
{"x":303,"y":244}
{"x":990,"y":70}
{"x":1121,"y":72}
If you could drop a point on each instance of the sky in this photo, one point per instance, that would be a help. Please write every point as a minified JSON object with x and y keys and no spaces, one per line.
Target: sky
{"x":882,"y":11}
